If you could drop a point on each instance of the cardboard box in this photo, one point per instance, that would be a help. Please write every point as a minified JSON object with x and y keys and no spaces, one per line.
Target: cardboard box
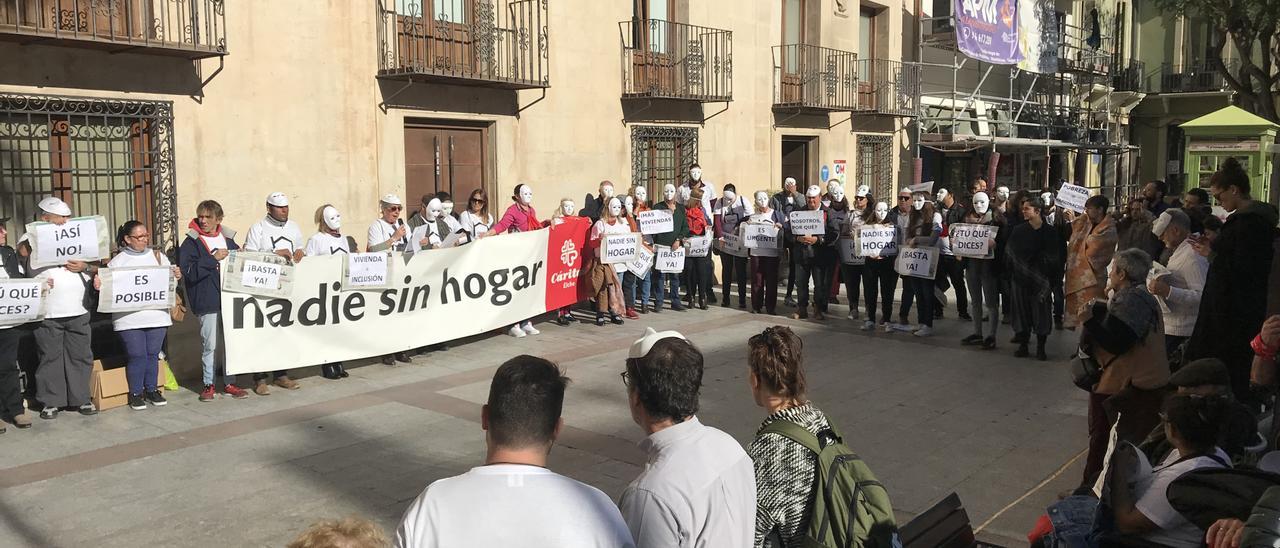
{"x":109,"y":388}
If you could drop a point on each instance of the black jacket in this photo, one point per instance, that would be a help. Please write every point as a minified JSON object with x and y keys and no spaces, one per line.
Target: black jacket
{"x":10,"y":259}
{"x":824,"y":251}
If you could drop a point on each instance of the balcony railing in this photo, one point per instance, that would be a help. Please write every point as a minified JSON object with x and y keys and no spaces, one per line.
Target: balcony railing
{"x":496,"y":43}
{"x":662,"y":59}
{"x":1199,"y":75}
{"x":1085,"y":49}
{"x":888,"y":87}
{"x":814,"y":77}
{"x":1130,"y":77}
{"x":193,"y":29}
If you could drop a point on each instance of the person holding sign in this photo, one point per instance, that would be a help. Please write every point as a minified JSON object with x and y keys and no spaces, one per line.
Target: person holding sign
{"x":672,"y":239}
{"x":923,"y":229}
{"x":698,"y":269}
{"x":730,"y":211}
{"x":787,"y":200}
{"x":142,"y":331}
{"x":476,"y":220}
{"x":207,"y":243}
{"x":764,"y":262}
{"x":950,"y":267}
{"x":275,"y":233}
{"x":432,"y":234}
{"x":563,"y":314}
{"x":983,"y":274}
{"x":879,"y":278}
{"x":847,"y":219}
{"x":1031,"y":257}
{"x":11,"y":408}
{"x":815,"y":257}
{"x":330,"y":241}
{"x":1089,"y":251}
{"x":632,"y":284}
{"x":64,"y":336}
{"x":604,"y":277}
{"x":520,"y":217}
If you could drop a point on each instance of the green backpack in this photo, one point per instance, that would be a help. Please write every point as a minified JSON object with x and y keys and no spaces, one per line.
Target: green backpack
{"x":850,"y":508}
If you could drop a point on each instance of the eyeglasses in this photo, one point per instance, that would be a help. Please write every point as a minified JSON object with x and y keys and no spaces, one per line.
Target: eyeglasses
{"x":626,"y":378}
{"x":143,"y":236}
{"x":477,"y":201}
{"x":394,"y":208}
{"x":903,"y":198}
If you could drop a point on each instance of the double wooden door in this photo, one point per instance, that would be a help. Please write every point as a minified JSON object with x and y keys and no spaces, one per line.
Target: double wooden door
{"x":445,"y":157}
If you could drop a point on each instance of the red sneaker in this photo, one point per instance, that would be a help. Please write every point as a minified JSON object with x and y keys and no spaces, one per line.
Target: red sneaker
{"x":235,"y":391}
{"x":208,"y":394}
{"x":631,"y":314}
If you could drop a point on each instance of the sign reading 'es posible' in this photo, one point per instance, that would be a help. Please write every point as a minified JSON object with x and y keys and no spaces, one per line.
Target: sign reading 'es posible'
{"x":134,"y":288}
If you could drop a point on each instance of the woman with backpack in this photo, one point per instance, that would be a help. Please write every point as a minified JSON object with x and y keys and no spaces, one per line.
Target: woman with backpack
{"x":795,"y":444}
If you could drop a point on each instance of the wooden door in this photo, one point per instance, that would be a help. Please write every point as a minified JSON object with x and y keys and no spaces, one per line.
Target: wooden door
{"x":795,"y":162}
{"x":793,"y":37}
{"x":437,"y":36}
{"x":866,"y":60}
{"x":652,"y":61}
{"x":447,"y":158}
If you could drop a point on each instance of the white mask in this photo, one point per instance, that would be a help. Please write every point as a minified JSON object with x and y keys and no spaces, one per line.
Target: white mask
{"x":642,"y":194}
{"x":669,"y":192}
{"x":917,"y":203}
{"x":762,"y":199}
{"x":606,"y":191}
{"x":942,"y":194}
{"x":434,"y":207}
{"x":629,"y":203}
{"x":729,"y":197}
{"x":615,"y":207}
{"x":685,"y":193}
{"x":1047,"y":198}
{"x":567,"y":207}
{"x":981,"y":203}
{"x":882,"y":211}
{"x":1002,"y":192}
{"x":331,"y":217}
{"x":447,"y":207}
{"x":837,"y":194}
{"x":790,"y":184}
{"x":695,"y":174}
{"x":526,"y":195}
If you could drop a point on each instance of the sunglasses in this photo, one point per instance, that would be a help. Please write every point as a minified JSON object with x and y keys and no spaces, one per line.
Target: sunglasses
{"x":903,"y":198}
{"x":477,"y":201}
{"x":394,"y":208}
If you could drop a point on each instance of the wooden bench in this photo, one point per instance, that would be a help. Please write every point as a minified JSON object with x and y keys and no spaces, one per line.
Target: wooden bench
{"x":945,"y":525}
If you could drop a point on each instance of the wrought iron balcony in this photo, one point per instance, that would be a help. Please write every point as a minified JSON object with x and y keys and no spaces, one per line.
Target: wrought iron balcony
{"x":888,"y":87}
{"x":1086,"y":49}
{"x":193,"y":29}
{"x":1131,"y":77}
{"x":1197,"y":76}
{"x":495,"y":43}
{"x":666,"y":60}
{"x":814,"y":77}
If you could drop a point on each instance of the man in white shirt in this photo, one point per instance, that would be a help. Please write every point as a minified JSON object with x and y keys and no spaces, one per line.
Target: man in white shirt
{"x":275,"y":233}
{"x":513,"y":500}
{"x":1179,"y":287}
{"x":698,"y":487}
{"x":708,"y":192}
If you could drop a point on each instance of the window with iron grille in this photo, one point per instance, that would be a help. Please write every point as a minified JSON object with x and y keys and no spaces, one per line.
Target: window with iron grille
{"x":661,"y":155}
{"x":875,"y":164}
{"x":103,"y":157}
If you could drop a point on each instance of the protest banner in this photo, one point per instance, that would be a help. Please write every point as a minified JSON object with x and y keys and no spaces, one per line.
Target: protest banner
{"x":643,"y":262}
{"x":656,"y":221}
{"x":697,"y":246}
{"x":134,"y":288}
{"x":807,"y":223}
{"x":619,"y":248}
{"x":920,"y":262}
{"x":731,"y":244}
{"x":668,"y":260}
{"x":79,"y":239}
{"x":368,"y":270}
{"x":925,"y":187}
{"x":988,"y":31}
{"x":969,"y":240}
{"x":848,"y":254}
{"x":258,"y":273}
{"x":876,"y":241}
{"x":21,"y":301}
{"x":1073,"y":197}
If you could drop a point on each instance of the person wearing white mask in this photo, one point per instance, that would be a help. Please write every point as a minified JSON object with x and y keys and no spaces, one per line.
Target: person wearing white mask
{"x":923,"y":229}
{"x":595,"y":207}
{"x":605,"y":279}
{"x":879,"y":279}
{"x":520,"y":217}
{"x":844,"y":216}
{"x":448,"y":212}
{"x":696,"y":182}
{"x":786,"y":201}
{"x":950,"y":268}
{"x":434,"y":232}
{"x":276,"y":233}
{"x":563,"y":214}
{"x":63,"y":336}
{"x":764,"y":263}
{"x":636,"y":289}
{"x":476,"y":220}
{"x":329,"y":240}
{"x":670,"y":281}
{"x":731,"y":211}
{"x":983,"y":275}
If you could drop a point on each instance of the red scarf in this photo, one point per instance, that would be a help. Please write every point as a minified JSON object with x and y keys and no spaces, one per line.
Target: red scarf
{"x":697,"y":220}
{"x":195,"y":225}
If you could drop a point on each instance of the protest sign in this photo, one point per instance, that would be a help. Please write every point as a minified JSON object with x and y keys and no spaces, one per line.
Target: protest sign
{"x":697,"y":246}
{"x":925,"y":187}
{"x":807,"y":223}
{"x":1073,"y":197}
{"x":643,"y":262}
{"x":656,"y":221}
{"x":368,"y":270}
{"x":78,"y":239}
{"x":619,"y":248}
{"x":134,"y":288}
{"x":731,"y":244}
{"x":669,"y":260}
{"x":257,"y":273}
{"x":21,"y":301}
{"x":969,"y":240}
{"x":876,"y":241}
{"x":759,"y":235}
{"x":848,"y":254}
{"x":920,"y":262}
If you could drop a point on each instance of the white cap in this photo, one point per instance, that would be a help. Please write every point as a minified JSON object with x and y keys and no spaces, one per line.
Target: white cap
{"x":813,"y":191}
{"x":641,"y":347}
{"x":278,"y":199}
{"x":391,"y":199}
{"x":55,"y":206}
{"x":863,"y":191}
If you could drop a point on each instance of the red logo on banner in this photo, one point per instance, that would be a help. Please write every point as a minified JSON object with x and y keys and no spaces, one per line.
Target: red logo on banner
{"x":566,"y":253}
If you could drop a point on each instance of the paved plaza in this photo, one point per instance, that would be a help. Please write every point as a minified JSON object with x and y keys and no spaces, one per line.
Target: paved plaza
{"x":929,"y":416}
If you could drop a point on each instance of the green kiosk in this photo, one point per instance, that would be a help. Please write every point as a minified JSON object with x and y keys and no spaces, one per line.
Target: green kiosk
{"x":1225,"y":133}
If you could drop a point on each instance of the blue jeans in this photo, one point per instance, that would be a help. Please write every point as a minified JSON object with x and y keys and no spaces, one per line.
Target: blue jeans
{"x":660,"y":280}
{"x":209,"y":348}
{"x":143,"y":347}
{"x":631,"y":283}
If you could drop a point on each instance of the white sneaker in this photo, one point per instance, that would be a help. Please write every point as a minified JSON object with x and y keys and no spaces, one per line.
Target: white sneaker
{"x":528,"y":329}
{"x":515,"y":331}
{"x":868,"y":325}
{"x":924,"y":331}
{"x":888,"y":327}
{"x":854,"y":313}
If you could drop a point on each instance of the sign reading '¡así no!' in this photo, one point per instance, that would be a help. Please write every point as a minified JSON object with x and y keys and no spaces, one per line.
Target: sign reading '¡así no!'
{"x":78,"y":239}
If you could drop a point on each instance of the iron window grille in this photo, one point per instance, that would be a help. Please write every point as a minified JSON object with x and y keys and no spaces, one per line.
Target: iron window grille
{"x":661,"y":155}
{"x":875,"y":164}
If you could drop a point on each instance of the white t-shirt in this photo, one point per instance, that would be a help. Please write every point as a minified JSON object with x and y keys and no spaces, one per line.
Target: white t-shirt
{"x":268,"y":235}
{"x":323,"y":243}
{"x":66,"y":299}
{"x":215,"y":242}
{"x":142,"y":319}
{"x":618,"y":227}
{"x":381,"y":231}
{"x":512,"y":506}
{"x":1153,"y":501}
{"x":474,"y":224}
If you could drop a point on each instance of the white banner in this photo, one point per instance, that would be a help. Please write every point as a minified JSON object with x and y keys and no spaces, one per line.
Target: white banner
{"x":21,"y":301}
{"x":1073,"y":197}
{"x":920,"y":262}
{"x":807,"y":223}
{"x":876,"y":241}
{"x":79,"y":239}
{"x":976,"y":241}
{"x":848,"y":255}
{"x":258,"y":273}
{"x":760,"y":235}
{"x":369,"y":270}
{"x":642,"y":263}
{"x":134,"y":288}
{"x":670,"y":261}
{"x":697,"y":246}
{"x":619,"y":248}
{"x":731,"y":244}
{"x":656,"y":221}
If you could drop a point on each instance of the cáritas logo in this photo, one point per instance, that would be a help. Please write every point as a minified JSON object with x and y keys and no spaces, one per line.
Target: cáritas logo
{"x":568,"y":253}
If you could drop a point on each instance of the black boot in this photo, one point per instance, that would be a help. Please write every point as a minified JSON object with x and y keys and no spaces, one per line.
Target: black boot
{"x":326,"y":371}
{"x":613,"y":317}
{"x":1022,"y":351}
{"x":599,"y":318}
{"x":342,"y":370}
{"x":1040,"y":342}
